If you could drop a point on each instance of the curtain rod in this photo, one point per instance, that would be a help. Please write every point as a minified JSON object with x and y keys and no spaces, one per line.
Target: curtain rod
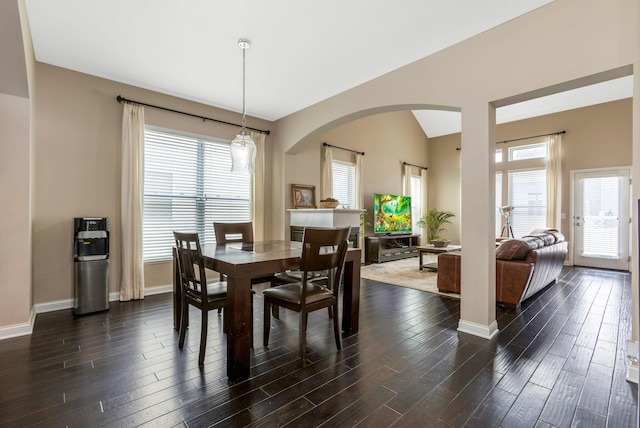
{"x":121,"y":99}
{"x":417,"y":166}
{"x":525,"y":138}
{"x":533,"y":136}
{"x":342,"y":148}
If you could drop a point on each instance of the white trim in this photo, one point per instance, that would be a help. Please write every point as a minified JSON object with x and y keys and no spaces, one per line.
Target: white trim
{"x":484,"y":331}
{"x":56,"y":305}
{"x":26,"y":328}
{"x":17,"y":330}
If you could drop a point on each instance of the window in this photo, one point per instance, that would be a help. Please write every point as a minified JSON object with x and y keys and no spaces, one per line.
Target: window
{"x":188,"y":186}
{"x":528,"y":197}
{"x":529,"y":151}
{"x":344,"y":183}
{"x":521,"y":183}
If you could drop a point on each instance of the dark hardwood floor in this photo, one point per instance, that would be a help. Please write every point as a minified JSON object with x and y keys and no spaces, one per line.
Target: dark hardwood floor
{"x":558,"y":361}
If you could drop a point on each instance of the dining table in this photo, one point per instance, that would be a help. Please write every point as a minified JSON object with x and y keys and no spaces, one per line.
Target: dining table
{"x":240,"y":262}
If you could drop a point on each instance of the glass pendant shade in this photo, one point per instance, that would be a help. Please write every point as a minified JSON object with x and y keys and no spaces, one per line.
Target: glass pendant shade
{"x":243,"y":154}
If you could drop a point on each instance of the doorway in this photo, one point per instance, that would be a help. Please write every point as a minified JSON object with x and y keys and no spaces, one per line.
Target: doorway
{"x":601,"y":215}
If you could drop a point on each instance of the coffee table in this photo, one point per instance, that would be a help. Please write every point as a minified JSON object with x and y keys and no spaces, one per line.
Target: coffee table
{"x":430,"y":248}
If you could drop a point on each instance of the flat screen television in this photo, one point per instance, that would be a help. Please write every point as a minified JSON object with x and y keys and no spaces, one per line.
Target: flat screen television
{"x":392,"y":214}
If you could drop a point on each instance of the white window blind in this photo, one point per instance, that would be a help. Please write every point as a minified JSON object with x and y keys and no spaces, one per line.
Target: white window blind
{"x":600,"y":217}
{"x":528,"y":196}
{"x":416,"y":201}
{"x":188,"y":186}
{"x":344,"y":183}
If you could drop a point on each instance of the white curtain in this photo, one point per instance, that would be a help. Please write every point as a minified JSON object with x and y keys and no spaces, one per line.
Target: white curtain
{"x":258,"y":187}
{"x":132,"y":194}
{"x":554,"y":174}
{"x":360,"y":195}
{"x":326,"y":165}
{"x":423,"y":208}
{"x":406,"y":180}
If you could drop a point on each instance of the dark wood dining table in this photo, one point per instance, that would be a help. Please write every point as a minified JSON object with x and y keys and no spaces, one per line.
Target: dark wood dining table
{"x":241,"y":262}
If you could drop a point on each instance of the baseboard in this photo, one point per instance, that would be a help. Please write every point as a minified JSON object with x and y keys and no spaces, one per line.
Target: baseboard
{"x":484,"y":331}
{"x":24,"y":329}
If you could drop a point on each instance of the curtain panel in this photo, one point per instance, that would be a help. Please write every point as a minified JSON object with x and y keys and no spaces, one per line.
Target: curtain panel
{"x":132,"y":194}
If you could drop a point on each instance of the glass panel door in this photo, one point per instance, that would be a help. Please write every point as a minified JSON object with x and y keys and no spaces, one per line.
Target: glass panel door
{"x":601,"y":219}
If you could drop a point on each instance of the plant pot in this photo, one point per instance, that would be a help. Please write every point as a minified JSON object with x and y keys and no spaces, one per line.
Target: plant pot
{"x":440,"y":244}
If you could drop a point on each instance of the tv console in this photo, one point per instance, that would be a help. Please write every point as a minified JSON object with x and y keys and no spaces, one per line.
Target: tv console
{"x":384,"y":248}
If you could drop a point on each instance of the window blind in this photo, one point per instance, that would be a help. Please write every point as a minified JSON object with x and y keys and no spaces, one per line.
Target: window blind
{"x":188,"y":186}
{"x":601,"y":217}
{"x":528,"y":196}
{"x":344,"y":183}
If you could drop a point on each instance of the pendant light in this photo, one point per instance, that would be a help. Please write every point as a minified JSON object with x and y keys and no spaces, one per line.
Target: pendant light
{"x":243,"y":149}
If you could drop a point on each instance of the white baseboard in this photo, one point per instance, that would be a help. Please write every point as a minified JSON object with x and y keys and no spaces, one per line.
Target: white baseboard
{"x":22,"y":329}
{"x":480,"y":330}
{"x":26,"y":328}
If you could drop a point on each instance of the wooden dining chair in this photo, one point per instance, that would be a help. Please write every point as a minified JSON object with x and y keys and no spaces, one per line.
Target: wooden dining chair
{"x":243,"y":233}
{"x":322,"y":250}
{"x":237,"y":232}
{"x":197,"y":291}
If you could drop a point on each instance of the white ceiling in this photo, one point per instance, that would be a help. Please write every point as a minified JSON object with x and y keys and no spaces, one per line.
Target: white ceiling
{"x":301,"y":53}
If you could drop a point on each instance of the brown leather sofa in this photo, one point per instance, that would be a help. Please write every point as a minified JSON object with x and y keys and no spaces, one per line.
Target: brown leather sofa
{"x":524,"y":266}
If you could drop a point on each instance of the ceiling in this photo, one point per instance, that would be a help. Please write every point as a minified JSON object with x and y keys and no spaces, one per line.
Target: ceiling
{"x":301,"y":53}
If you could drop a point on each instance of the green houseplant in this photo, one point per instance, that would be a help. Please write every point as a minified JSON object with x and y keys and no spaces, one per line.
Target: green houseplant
{"x":433,"y":221}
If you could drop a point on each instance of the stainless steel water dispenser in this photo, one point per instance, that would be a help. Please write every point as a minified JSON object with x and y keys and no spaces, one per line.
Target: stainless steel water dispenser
{"x":91,"y":265}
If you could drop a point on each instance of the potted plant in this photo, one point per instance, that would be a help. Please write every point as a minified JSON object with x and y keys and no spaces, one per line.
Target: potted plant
{"x":433,"y":221}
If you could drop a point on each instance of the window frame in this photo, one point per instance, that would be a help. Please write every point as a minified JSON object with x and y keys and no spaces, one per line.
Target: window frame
{"x":193,"y":210}
{"x":507,"y":166}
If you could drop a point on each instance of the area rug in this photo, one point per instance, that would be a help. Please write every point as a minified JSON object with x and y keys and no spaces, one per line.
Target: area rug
{"x":405,"y":273}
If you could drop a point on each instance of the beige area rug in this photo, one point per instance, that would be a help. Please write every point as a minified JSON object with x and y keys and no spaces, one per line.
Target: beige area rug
{"x":405,"y":273}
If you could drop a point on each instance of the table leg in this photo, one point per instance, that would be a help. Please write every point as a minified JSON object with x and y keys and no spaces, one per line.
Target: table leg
{"x":420,"y":252}
{"x":238,"y":316}
{"x":351,"y":296}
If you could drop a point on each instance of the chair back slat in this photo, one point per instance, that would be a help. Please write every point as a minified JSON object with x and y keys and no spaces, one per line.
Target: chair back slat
{"x":233,"y":232}
{"x":324,"y":250}
{"x":191,"y":264}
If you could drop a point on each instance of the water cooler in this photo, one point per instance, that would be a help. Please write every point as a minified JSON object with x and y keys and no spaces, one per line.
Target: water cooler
{"x":91,"y":265}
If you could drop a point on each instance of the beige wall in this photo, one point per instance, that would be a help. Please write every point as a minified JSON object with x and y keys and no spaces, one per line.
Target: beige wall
{"x":15,"y":245}
{"x":596,"y":137}
{"x":387,"y":139}
{"x":78,"y":167}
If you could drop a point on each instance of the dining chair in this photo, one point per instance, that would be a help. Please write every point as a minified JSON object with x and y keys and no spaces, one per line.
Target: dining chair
{"x":197,"y":291}
{"x":323,"y":249}
{"x":239,"y":232}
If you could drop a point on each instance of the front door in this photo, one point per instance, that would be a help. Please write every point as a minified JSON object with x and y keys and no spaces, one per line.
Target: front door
{"x":601,"y":218}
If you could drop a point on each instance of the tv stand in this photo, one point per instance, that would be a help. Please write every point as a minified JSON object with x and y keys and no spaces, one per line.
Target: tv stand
{"x":384,"y":248}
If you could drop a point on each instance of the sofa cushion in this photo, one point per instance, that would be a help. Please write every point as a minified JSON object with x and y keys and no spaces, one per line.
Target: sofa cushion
{"x":547,"y":238}
{"x":517,"y":249}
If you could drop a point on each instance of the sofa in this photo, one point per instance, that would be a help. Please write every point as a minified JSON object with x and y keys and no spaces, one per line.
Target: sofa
{"x":524,"y":266}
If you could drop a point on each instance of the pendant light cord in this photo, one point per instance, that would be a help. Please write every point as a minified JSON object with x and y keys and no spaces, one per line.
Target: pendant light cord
{"x":244,"y":44}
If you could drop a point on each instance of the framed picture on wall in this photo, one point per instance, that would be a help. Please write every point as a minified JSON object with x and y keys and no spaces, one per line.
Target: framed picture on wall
{"x":304,"y":196}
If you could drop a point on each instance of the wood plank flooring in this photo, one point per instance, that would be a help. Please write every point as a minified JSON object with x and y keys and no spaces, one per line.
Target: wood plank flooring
{"x":558,"y":361}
